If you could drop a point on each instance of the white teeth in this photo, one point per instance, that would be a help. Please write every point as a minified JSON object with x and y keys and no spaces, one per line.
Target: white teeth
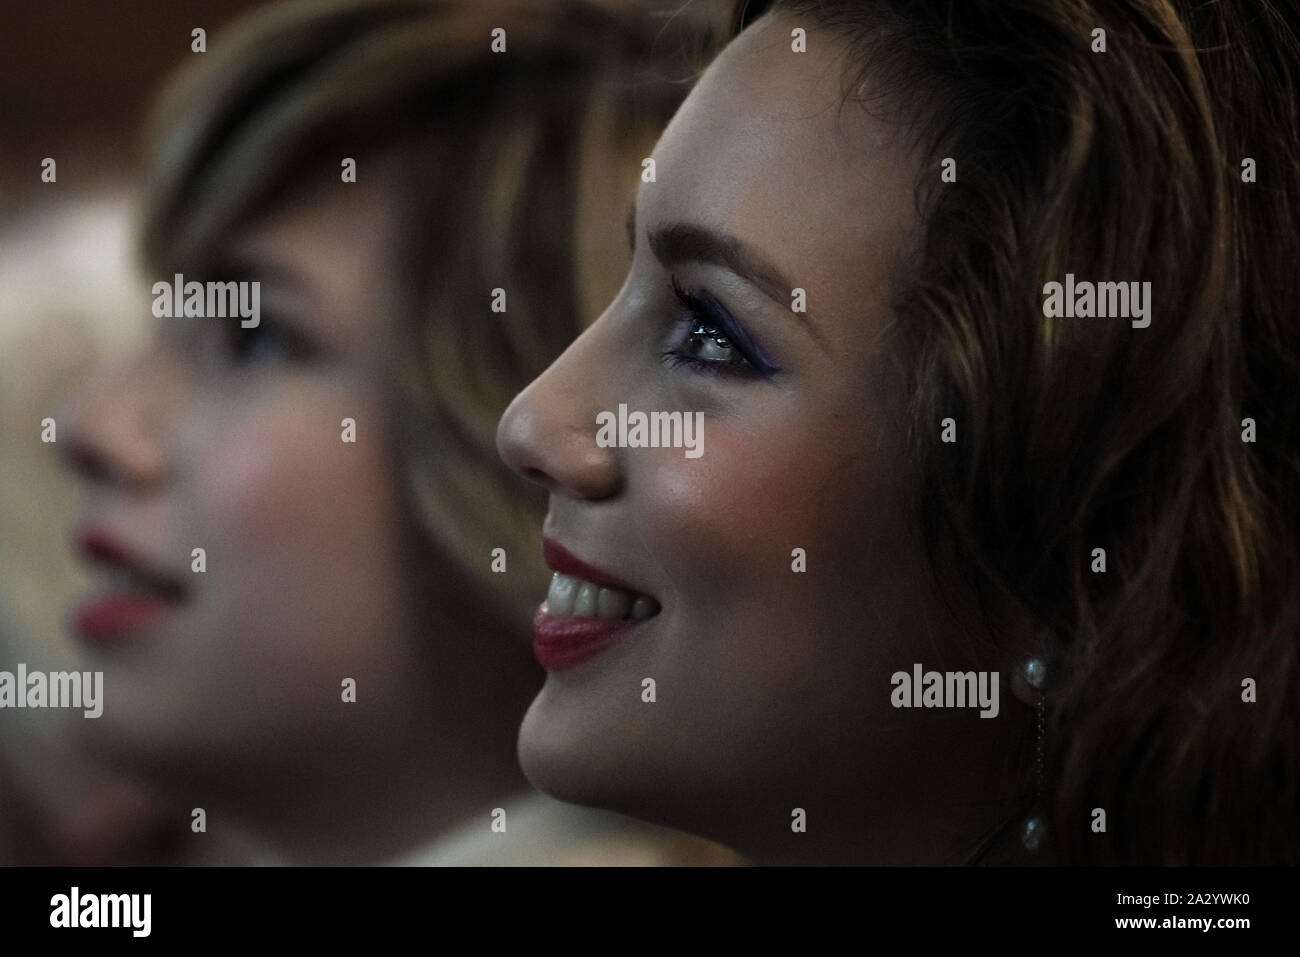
{"x":559,"y":600}
{"x":573,"y":597}
{"x":584,"y":605}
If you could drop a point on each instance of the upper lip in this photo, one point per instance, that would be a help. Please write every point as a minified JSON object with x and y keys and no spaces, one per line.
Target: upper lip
{"x":100,"y":547}
{"x":560,"y":559}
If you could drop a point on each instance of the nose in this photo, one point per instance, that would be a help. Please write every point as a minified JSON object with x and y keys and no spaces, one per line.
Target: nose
{"x":548,"y":433}
{"x":112,"y":426}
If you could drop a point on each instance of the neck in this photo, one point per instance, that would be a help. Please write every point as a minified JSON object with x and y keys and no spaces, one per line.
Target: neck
{"x":959,"y":805}
{"x":369,"y":812}
{"x":383,"y":787}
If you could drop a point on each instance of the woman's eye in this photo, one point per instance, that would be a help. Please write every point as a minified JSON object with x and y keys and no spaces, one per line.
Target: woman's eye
{"x":709,"y":343}
{"x":268,"y":341}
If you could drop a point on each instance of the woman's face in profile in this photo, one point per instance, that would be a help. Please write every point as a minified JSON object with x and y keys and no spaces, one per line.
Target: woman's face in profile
{"x":771,"y":685}
{"x":229,"y":439}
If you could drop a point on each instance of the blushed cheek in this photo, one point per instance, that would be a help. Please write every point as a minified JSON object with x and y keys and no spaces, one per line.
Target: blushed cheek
{"x":727,"y":523}
{"x":286,"y":482}
{"x":303,"y":554}
{"x":764,"y":622}
{"x":301,"y":530}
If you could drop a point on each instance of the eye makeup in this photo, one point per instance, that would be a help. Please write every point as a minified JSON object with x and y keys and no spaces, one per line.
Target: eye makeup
{"x":709,"y":325}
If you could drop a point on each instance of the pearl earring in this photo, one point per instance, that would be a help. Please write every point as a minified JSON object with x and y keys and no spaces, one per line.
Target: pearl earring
{"x":1031,"y":835}
{"x":1034,"y":675}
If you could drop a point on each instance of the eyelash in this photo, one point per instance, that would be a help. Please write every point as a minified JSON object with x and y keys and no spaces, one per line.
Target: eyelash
{"x":703,"y":315}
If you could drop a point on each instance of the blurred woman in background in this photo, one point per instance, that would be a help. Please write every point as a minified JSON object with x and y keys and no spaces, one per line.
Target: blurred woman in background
{"x":70,"y":299}
{"x":419,"y":190}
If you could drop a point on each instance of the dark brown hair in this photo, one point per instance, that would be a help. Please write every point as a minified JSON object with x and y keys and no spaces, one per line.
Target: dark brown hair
{"x":1076,"y":434}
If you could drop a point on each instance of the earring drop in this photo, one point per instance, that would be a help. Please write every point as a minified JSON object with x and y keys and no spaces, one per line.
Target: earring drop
{"x":1029,"y":681}
{"x":1031,"y":835}
{"x":1035,"y":673}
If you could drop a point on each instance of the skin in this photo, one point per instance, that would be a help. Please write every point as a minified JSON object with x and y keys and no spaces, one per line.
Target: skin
{"x":773,"y":687}
{"x":231,"y":440}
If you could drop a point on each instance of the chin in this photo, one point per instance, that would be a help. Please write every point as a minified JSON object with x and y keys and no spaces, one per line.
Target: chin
{"x":138,"y":742}
{"x":574,"y":756}
{"x":564,"y":755}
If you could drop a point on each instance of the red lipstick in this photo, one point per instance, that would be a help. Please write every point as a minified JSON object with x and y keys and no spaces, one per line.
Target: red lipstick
{"x":560,"y":559}
{"x":110,"y":619}
{"x":562,"y":641}
{"x":138,"y":597}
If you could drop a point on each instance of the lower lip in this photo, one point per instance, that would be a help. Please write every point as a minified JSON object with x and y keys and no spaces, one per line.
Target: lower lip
{"x":562,"y":642}
{"x":113,"y":619}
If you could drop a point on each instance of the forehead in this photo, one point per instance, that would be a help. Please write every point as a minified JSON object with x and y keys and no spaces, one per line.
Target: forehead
{"x":765,"y":148}
{"x":330,"y":230}
{"x":327,"y":248}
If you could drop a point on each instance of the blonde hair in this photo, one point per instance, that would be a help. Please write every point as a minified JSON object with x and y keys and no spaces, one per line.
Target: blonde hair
{"x":516,"y":148}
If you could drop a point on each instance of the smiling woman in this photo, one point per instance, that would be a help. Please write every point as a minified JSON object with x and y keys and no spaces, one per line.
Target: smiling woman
{"x":948,"y":467}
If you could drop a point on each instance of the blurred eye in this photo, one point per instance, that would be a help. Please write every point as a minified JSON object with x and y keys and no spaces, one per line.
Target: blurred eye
{"x":269,"y":341}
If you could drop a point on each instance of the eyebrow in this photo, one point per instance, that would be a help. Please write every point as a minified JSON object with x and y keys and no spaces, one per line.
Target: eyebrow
{"x":282,"y":277}
{"x":680,"y":242}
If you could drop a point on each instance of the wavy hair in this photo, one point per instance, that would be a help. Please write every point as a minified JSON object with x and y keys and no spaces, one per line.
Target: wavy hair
{"x":1077,"y":434}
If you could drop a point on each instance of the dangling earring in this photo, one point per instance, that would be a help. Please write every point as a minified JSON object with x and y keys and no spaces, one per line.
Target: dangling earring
{"x":1034,"y":675}
{"x":1029,"y":683}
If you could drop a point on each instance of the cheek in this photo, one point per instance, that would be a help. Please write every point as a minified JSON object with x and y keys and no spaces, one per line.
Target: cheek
{"x":304,"y":579}
{"x":282,"y":481}
{"x":724,"y":528}
{"x":724,"y":523}
{"x":302,"y":530}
